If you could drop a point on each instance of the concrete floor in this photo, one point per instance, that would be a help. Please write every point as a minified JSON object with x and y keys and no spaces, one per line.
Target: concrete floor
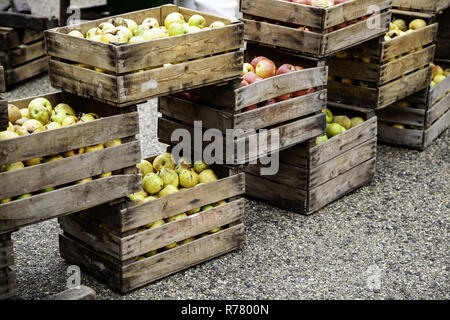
{"x":396,"y":228}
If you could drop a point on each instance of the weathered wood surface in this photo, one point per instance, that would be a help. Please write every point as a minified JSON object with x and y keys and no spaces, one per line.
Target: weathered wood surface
{"x":410,"y":138}
{"x":3,"y":111}
{"x":22,"y":54}
{"x":77,"y":293}
{"x":12,"y":38}
{"x":137,"y":274}
{"x":432,"y":6}
{"x":26,"y":71}
{"x":138,"y":87}
{"x":124,"y":248}
{"x":407,"y":116}
{"x":8,"y":286}
{"x":6,"y":253}
{"x":436,"y":129}
{"x":27,"y":21}
{"x":66,"y":200}
{"x":438,"y":110}
{"x":312,"y":43}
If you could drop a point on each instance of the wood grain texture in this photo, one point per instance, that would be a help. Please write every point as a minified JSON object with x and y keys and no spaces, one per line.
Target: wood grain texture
{"x":27,"y":21}
{"x":8,"y":285}
{"x":137,"y":274}
{"x":52,"y":174}
{"x":23,"y":54}
{"x":438,"y":110}
{"x":66,"y":200}
{"x":26,"y":71}
{"x":436,"y":129}
{"x":3,"y":112}
{"x":407,"y":116}
{"x":410,"y":138}
{"x":433,"y":6}
{"x":6,"y":254}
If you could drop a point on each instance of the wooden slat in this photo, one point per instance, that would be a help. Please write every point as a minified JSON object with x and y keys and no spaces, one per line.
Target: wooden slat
{"x":288,"y":174}
{"x":341,"y":185}
{"x":407,"y":116}
{"x":410,"y":138}
{"x":194,"y":225}
{"x":354,"y":69}
{"x":8,"y":286}
{"x":437,"y":110}
{"x":6,"y":254}
{"x":69,"y":138}
{"x":23,"y":54}
{"x":55,"y":173}
{"x":174,"y":204}
{"x":364,"y":97}
{"x":28,"y":21}
{"x":438,"y":91}
{"x":423,"y":5}
{"x":3,"y":113}
{"x":343,"y":142}
{"x":408,"y":42}
{"x":436,"y":129}
{"x":26,"y":71}
{"x":63,"y":201}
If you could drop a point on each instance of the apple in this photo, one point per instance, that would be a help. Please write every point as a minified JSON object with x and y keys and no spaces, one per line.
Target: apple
{"x":40,"y":102}
{"x":22,"y":131}
{"x":247,"y":67}
{"x":24,"y":112}
{"x":169,"y":176}
{"x":251,"y":77}
{"x":174,"y":17}
{"x":53,"y":158}
{"x":108,"y":37}
{"x":151,"y":22}
{"x":343,"y":55}
{"x":329,"y":115}
{"x":153,"y":34}
{"x":365,"y":59}
{"x":52,"y":126}
{"x":169,"y":189}
{"x":344,"y":121}
{"x":24,"y":196}
{"x":113,"y":143}
{"x":265,"y":69}
{"x":130,"y":24}
{"x":106,"y":27}
{"x":186,"y":241}
{"x":34,"y":161}
{"x":72,"y":153}
{"x":93,"y":32}
{"x":96,"y":147}
{"x":400,"y":24}
{"x":84,"y":180}
{"x":217,"y":24}
{"x":69,"y":120}
{"x":355,"y":121}
{"x":87,"y":117}
{"x":250,"y":108}
{"x":76,"y":33}
{"x":285,"y":68}
{"x":157,"y":223}
{"x":105,"y":174}
{"x":398,"y":126}
{"x":256,"y":60}
{"x":436,"y":71}
{"x":140,"y":29}
{"x":14,"y":113}
{"x":417,"y":24}
{"x":33,"y":125}
{"x":152,"y":183}
{"x":176,"y":29}
{"x":284,"y":97}
{"x":145,"y":167}
{"x":207,"y":176}
{"x":334,"y":129}
{"x":121,"y":30}
{"x":200,"y":166}
{"x":197,"y":21}
{"x":321,"y":139}
{"x":176,"y":217}
{"x":270,"y":101}
{"x":244,"y":83}
{"x":188,"y":178}
{"x":347,"y":81}
{"x":164,"y":160}
{"x":137,"y":196}
{"x":437,"y":79}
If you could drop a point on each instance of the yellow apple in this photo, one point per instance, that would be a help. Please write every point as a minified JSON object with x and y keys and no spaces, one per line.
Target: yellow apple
{"x":207,"y":176}
{"x":69,"y":120}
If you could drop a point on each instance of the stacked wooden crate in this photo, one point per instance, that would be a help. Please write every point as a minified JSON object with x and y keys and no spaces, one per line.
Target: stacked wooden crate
{"x":443,"y":37}
{"x":115,"y":242}
{"x":22,"y":45}
{"x":419,"y":119}
{"x":381,"y":72}
{"x":8,"y":287}
{"x":312,"y":176}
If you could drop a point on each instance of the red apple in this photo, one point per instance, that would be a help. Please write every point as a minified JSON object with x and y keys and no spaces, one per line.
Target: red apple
{"x":347,"y":81}
{"x":251,"y":77}
{"x":256,"y":60}
{"x":284,"y":97}
{"x":341,"y":25}
{"x":310,"y":90}
{"x":265,"y":69}
{"x":339,"y":1}
{"x":270,"y":101}
{"x":298,"y":68}
{"x":285,"y":68}
{"x":253,"y":107}
{"x":331,"y":29}
{"x":299,"y":93}
{"x":244,"y":83}
{"x":247,"y":67}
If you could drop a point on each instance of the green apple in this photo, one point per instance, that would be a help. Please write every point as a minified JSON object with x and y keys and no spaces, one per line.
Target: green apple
{"x":87,"y":117}
{"x":329,"y":115}
{"x":136,"y":39}
{"x":109,"y":37}
{"x":93,"y":32}
{"x":207,"y":176}
{"x":343,"y":121}
{"x":169,"y":176}
{"x":33,"y":162}
{"x":24,"y":112}
{"x":145,"y":167}
{"x":155,"y":224}
{"x":106,"y":27}
{"x":197,"y":21}
{"x":193,"y":211}
{"x":417,"y":24}
{"x":174,"y":17}
{"x":153,"y":34}
{"x":176,"y":29}
{"x":96,"y":147}
{"x":137,"y":196}
{"x":130,"y":24}
{"x":209,"y":206}
{"x":151,"y":23}
{"x":48,"y":189}
{"x":167,"y":190}
{"x":176,"y":217}
{"x":5,"y":135}
{"x":24,"y":196}
{"x":217,"y":24}
{"x":200,"y":165}
{"x":12,"y":166}
{"x":140,"y":29}
{"x":355,"y":121}
{"x":334,"y":129}
{"x":164,"y":160}
{"x":438,"y":78}
{"x":22,"y":131}
{"x":186,"y":241}
{"x":52,"y":126}
{"x":192,"y":29}
{"x":84,"y":180}
{"x":40,"y":102}
{"x":152,"y":183}
{"x":76,"y":33}
{"x":40,"y":113}
{"x":69,"y":120}
{"x":97,"y":37}
{"x":113,"y":143}
{"x":188,"y":178}
{"x":65,"y":108}
{"x":171,"y":246}
{"x":399,"y":126}
{"x":321,"y":139}
{"x":32,"y":125}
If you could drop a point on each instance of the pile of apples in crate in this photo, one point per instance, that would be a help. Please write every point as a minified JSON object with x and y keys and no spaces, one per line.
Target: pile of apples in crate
{"x":337,"y":125}
{"x":41,"y":116}
{"x":400,"y":27}
{"x":164,"y":177}
{"x":261,"y":68}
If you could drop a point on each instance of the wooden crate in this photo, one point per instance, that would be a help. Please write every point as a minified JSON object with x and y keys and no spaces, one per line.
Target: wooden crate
{"x":6,"y":251}
{"x":386,"y":81}
{"x":443,"y":38}
{"x":425,"y":119}
{"x":8,"y":285}
{"x":69,"y":197}
{"x":2,"y":84}
{"x":426,"y":6}
{"x":201,"y":58}
{"x":22,"y":54}
{"x":276,"y":23}
{"x":310,"y":176}
{"x":223,"y":107}
{"x":3,"y":114}
{"x":109,"y":241}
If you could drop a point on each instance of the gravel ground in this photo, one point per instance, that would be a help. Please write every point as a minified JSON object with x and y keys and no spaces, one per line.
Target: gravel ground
{"x":398,"y":224}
